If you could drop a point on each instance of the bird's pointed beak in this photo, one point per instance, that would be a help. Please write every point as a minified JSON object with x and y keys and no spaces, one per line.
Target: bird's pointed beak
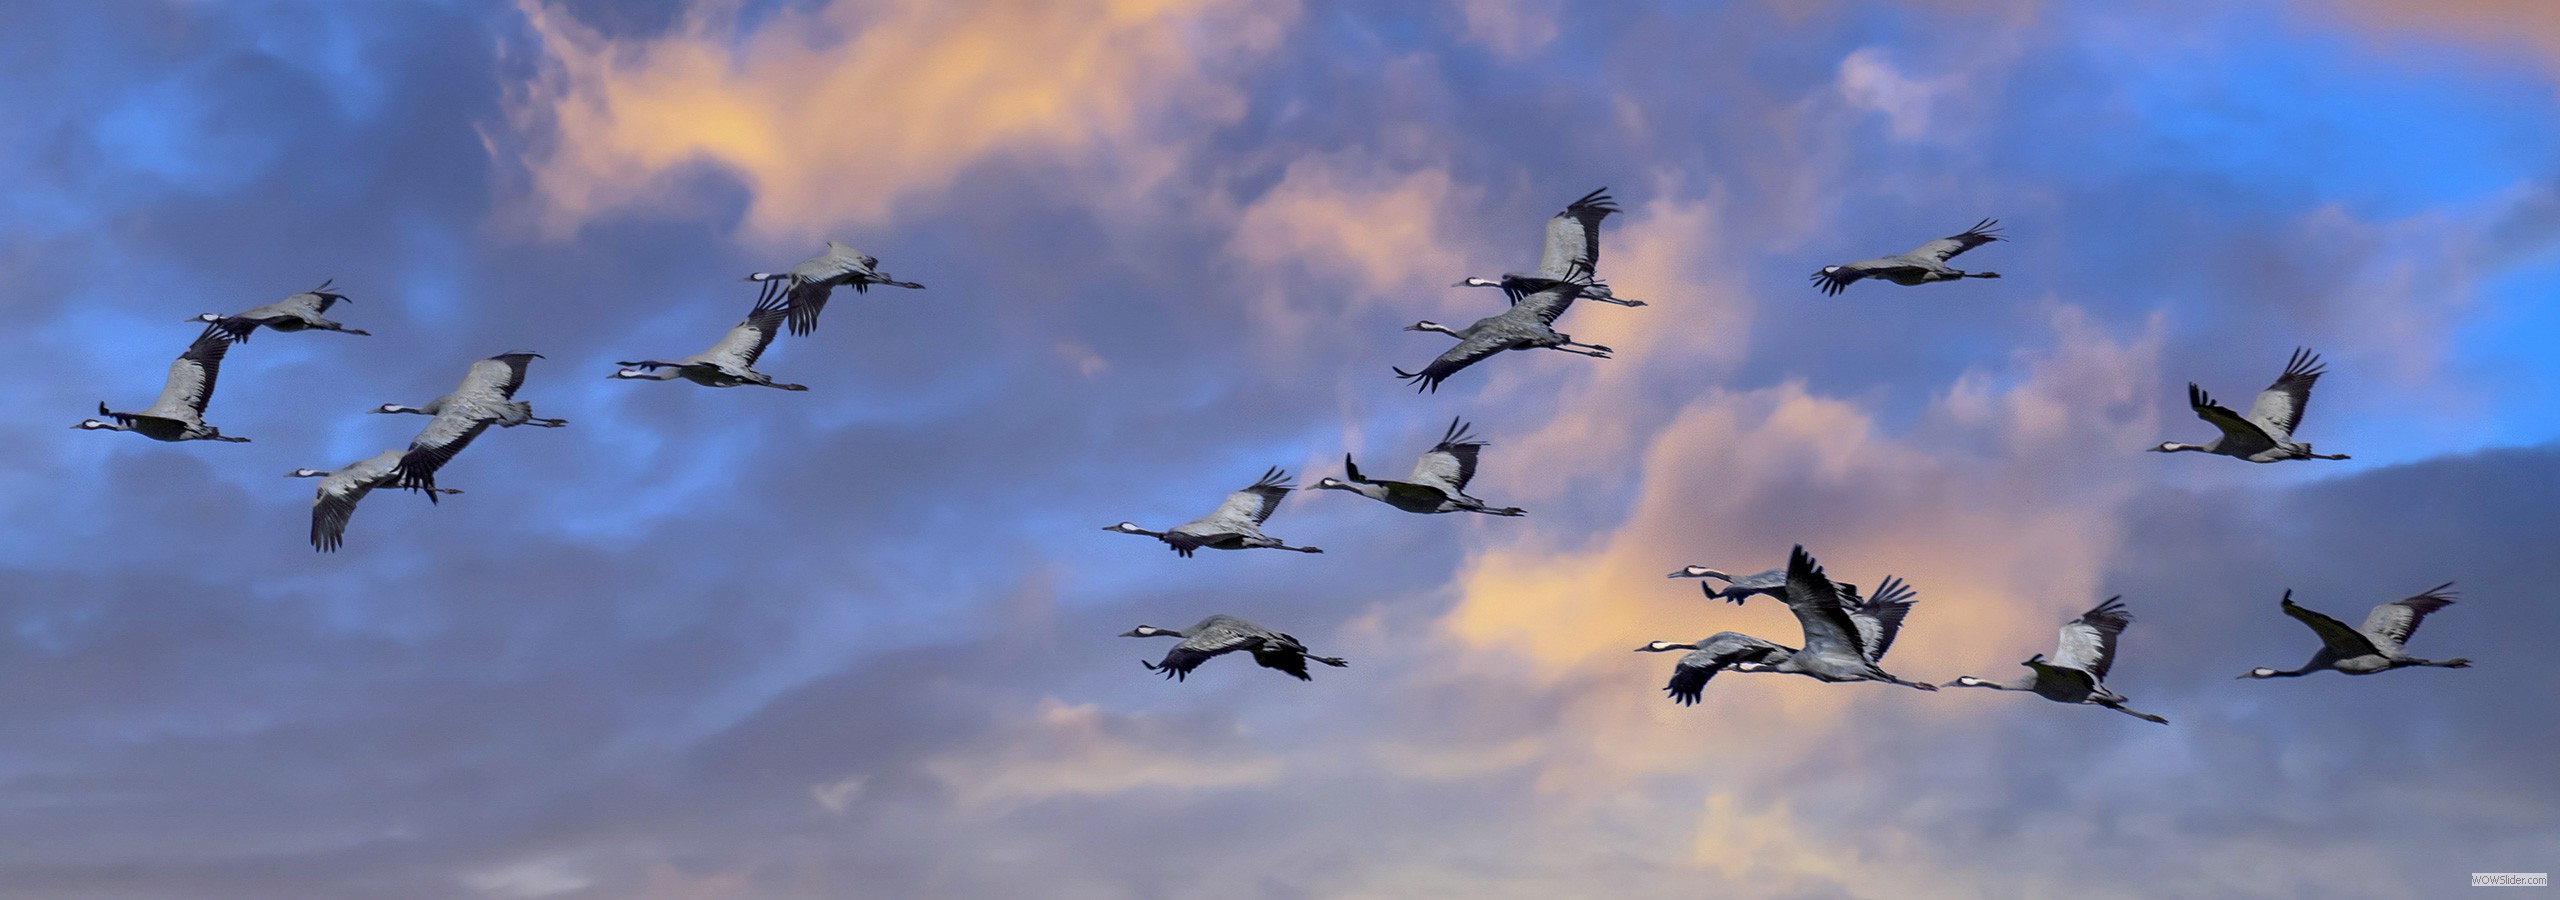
{"x":1677,"y":574}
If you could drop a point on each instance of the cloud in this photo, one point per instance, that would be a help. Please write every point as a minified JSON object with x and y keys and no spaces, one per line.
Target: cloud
{"x":1079,"y":749}
{"x":856,"y":642}
{"x":2529,"y":24}
{"x":1870,"y":82}
{"x":833,"y":115}
{"x":1513,"y":29}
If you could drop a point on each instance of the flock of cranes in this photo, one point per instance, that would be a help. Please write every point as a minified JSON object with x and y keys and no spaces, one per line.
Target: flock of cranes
{"x":487,"y":394}
{"x":1844,"y":635}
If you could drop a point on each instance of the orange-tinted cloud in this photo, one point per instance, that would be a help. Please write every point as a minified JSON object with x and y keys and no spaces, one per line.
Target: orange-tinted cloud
{"x":1999,"y":505}
{"x":2531,"y":24}
{"x":832,"y":115}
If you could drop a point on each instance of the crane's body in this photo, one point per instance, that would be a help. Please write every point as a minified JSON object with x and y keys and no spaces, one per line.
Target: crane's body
{"x":1925,"y":264}
{"x":178,"y":415}
{"x":1218,"y":635}
{"x":1438,"y":483}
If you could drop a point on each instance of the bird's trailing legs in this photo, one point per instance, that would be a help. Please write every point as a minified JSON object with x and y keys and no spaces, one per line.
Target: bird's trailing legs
{"x":2147,"y":717}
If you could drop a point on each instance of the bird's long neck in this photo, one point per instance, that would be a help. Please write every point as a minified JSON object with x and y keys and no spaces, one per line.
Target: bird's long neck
{"x":1369,"y":489}
{"x":2176,"y":447}
{"x":2023,"y":684}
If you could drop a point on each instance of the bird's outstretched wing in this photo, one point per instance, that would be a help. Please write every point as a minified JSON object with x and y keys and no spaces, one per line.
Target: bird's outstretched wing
{"x":810,"y":282}
{"x":2278,"y":409}
{"x":2242,"y":431}
{"x":1256,"y":501}
{"x":2341,"y":641}
{"x":1467,"y":352}
{"x":1831,"y":280}
{"x":445,"y":437}
{"x":1573,"y":236}
{"x":1816,"y":603}
{"x":1546,"y":300}
{"x":1949,"y":247}
{"x":746,"y":341}
{"x":499,"y":375}
{"x":2390,"y":625}
{"x":191,"y":375}
{"x":1879,"y":618}
{"x":2088,"y":643}
{"x":1689,"y":676}
{"x":1212,"y":638}
{"x":329,"y":515}
{"x":1450,"y":464}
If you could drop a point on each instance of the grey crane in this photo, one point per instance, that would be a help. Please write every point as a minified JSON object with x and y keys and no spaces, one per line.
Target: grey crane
{"x":1716,"y":653}
{"x":2265,"y":435}
{"x":296,"y":312}
{"x":1235,"y":525}
{"x":809,"y":283}
{"x":335,"y":501}
{"x":1924,"y":264}
{"x":1573,"y":239}
{"x":1737,"y":589}
{"x":478,"y":383}
{"x":1836,"y":648}
{"x":1527,"y":325}
{"x":1438,"y":483}
{"x":2077,"y":671}
{"x":729,"y":363}
{"x":1220,"y":634}
{"x":179,"y":413}
{"x":486,"y":397}
{"x":2376,"y":647}
{"x":1878,"y":618}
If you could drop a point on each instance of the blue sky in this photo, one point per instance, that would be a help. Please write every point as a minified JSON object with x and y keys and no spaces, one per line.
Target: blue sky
{"x":859,"y":641}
